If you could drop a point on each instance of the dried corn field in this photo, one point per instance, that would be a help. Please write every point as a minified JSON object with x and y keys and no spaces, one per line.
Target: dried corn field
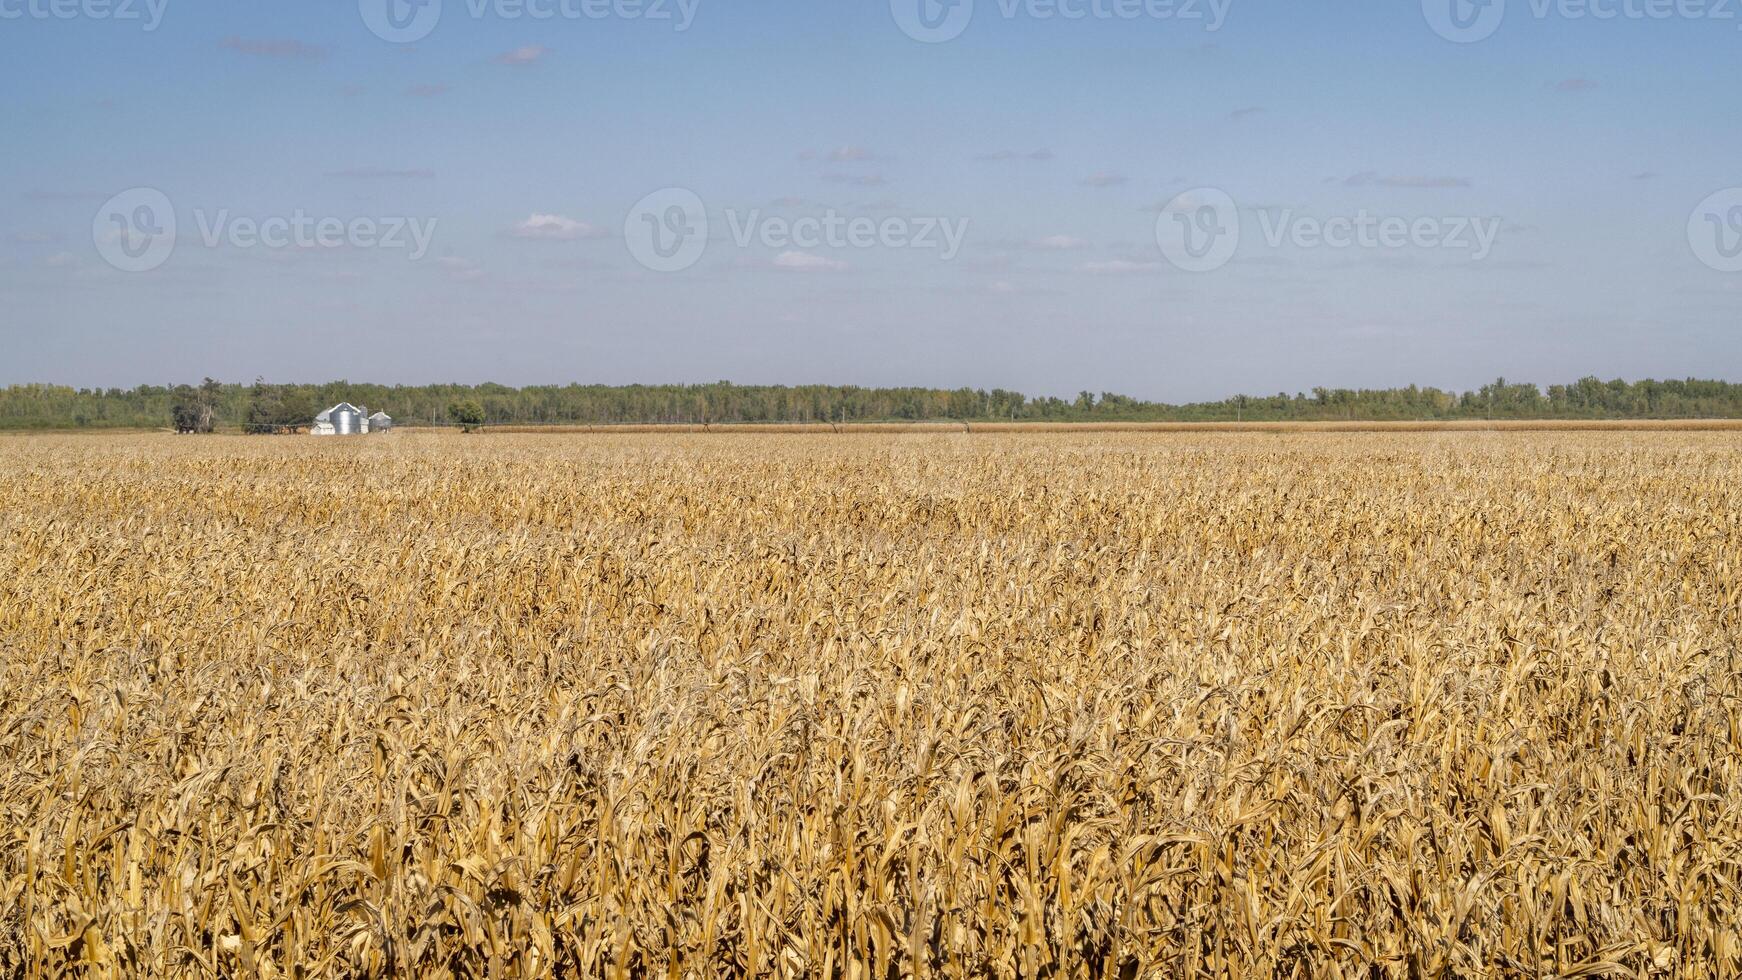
{"x":1088,"y":705}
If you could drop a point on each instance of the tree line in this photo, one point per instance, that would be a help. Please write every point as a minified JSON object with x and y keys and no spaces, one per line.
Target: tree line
{"x":266,"y":407}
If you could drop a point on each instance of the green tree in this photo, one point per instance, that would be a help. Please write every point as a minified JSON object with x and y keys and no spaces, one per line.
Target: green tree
{"x":265,"y":408}
{"x":467,"y":412}
{"x":193,"y":410}
{"x":197,"y":408}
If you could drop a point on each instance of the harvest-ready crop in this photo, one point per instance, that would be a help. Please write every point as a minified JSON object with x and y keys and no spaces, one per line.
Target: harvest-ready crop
{"x":834,"y":705}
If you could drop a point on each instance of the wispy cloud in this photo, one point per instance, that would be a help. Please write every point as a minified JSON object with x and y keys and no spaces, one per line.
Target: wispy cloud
{"x":1118,"y":267}
{"x":1007,"y":156}
{"x":42,"y":195}
{"x":1059,"y":243}
{"x":850,"y":154}
{"x":33,"y":238}
{"x":1189,"y":201}
{"x":288,"y":48}
{"x":1374,"y":179}
{"x":555,"y":228}
{"x":381,"y":173}
{"x":1248,"y":112}
{"x":530,"y":54}
{"x":1575,"y":85}
{"x":857,"y":180}
{"x":460,"y":270}
{"x":846,"y":153}
{"x":1105,"y":179}
{"x":804,"y":262}
{"x":426,"y":91}
{"x":1644,"y":175}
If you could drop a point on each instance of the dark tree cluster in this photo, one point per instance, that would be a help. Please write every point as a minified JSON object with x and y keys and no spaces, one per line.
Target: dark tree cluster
{"x":264,"y":407}
{"x":195,"y":410}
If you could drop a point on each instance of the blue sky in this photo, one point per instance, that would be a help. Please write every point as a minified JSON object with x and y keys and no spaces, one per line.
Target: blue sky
{"x":1063,"y":148}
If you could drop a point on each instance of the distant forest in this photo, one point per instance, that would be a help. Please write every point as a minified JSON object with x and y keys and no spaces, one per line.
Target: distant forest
{"x":273,"y":407}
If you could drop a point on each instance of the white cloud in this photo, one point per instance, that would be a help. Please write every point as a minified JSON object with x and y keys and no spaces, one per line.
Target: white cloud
{"x":274,"y":47}
{"x":803,"y":262}
{"x":1060,"y":243}
{"x":1183,"y":204}
{"x":555,"y":228}
{"x":523,"y":56}
{"x":1105,"y":179}
{"x":862,"y":180}
{"x":382,"y":173}
{"x":460,"y":270}
{"x":850,"y":154}
{"x":1370,"y":178}
{"x":1118,"y":267}
{"x":1005,"y":156}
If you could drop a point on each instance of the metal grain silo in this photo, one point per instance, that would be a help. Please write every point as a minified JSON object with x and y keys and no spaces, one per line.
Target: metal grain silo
{"x":347,"y":419}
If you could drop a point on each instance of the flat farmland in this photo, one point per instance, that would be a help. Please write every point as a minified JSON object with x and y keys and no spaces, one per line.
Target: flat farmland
{"x":1093,"y":704}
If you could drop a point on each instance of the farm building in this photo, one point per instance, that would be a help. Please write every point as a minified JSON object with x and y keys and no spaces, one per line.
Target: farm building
{"x":343,"y":419}
{"x":380,"y":422}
